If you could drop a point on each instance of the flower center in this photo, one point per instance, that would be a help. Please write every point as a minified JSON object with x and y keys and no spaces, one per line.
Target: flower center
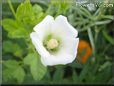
{"x":52,"y":44}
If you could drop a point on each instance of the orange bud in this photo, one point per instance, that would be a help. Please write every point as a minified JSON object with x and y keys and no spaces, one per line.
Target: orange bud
{"x":84,"y":51}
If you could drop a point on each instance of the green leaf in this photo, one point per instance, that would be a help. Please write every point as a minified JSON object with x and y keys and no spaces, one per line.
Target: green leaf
{"x":13,"y":71}
{"x":9,"y":24}
{"x":19,"y":74}
{"x":75,"y":77}
{"x":11,"y":64}
{"x":84,"y":72}
{"x":29,"y":16}
{"x":90,"y":35}
{"x":37,"y":69}
{"x":38,"y":14}
{"x":108,"y":17}
{"x":106,"y":64}
{"x":85,"y":11}
{"x":104,"y":76}
{"x":24,"y":12}
{"x":7,"y":46}
{"x":29,"y":59}
{"x":10,"y":47}
{"x":58,"y":75}
{"x":102,"y":22}
{"x":7,"y":75}
{"x":108,"y":37}
{"x":37,"y":9}
{"x":21,"y":33}
{"x":18,"y":51}
{"x":14,"y":29}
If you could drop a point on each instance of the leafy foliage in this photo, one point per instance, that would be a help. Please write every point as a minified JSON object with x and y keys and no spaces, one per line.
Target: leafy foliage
{"x":36,"y":67}
{"x":15,"y":31}
{"x":13,"y":70}
{"x":20,"y":28}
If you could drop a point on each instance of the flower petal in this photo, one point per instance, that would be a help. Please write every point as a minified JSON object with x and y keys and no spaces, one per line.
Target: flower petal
{"x":70,"y":45}
{"x":66,"y":55}
{"x":44,"y":26}
{"x":39,"y":45}
{"x":62,"y":27}
{"x":62,"y":58}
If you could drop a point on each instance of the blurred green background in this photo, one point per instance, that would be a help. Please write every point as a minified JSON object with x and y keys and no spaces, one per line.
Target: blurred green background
{"x":95,"y":26}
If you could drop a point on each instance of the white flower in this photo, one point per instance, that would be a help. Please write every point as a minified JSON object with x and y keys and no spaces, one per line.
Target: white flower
{"x":55,"y":40}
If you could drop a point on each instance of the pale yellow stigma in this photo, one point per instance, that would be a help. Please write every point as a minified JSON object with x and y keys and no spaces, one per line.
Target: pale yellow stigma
{"x":52,"y":44}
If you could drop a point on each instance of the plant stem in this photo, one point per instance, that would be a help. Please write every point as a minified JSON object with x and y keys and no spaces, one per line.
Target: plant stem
{"x":91,"y":40}
{"x":11,"y":7}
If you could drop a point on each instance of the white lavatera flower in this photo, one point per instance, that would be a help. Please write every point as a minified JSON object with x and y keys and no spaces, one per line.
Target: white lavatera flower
{"x":55,"y":40}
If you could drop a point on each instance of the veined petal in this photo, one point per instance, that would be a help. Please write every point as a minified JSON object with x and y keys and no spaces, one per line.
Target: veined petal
{"x":39,"y":45}
{"x":44,"y":26}
{"x":62,"y":27}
